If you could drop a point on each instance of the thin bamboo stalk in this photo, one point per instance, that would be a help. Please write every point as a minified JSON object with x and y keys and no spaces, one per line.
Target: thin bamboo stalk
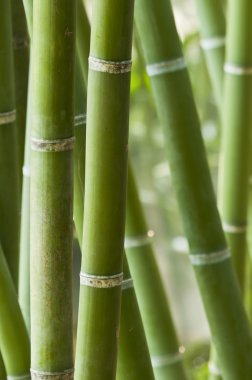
{"x":160,"y":331}
{"x":213,"y":36}
{"x":83,"y":34}
{"x":14,"y":340}
{"x":105,"y":189}
{"x":21,"y":66}
{"x":209,"y":255}
{"x":9,"y":197}
{"x":51,"y":189}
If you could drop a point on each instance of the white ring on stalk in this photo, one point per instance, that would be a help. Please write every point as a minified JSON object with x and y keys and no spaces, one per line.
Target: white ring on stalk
{"x":111,"y":67}
{"x":166,"y":67}
{"x":234,"y":69}
{"x":20,"y":43}
{"x":167,"y":360}
{"x":58,"y":145}
{"x":212,"y":42}
{"x":26,"y":171}
{"x":201,"y":259}
{"x":68,"y":374}
{"x":213,"y":369}
{"x":22,"y":377}
{"x":234,"y":229}
{"x":127,"y":284}
{"x":138,"y":241}
{"x":7,"y":117}
{"x":101,"y":281}
{"x":80,"y":119}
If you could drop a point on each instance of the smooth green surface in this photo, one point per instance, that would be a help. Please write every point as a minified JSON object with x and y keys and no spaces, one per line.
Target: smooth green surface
{"x":83,"y":38}
{"x":9,"y":196}
{"x":14,"y":340}
{"x":105,"y":191}
{"x":21,"y":66}
{"x":152,"y":299}
{"x":191,"y":179}
{"x":212,"y":25}
{"x":52,"y":187}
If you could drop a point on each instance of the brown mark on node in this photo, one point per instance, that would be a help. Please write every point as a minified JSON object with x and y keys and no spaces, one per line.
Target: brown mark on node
{"x":68,"y":33}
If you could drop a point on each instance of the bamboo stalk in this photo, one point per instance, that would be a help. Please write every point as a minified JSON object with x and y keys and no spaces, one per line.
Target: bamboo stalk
{"x":51,"y":189}
{"x":105,"y":189}
{"x":14,"y":340}
{"x":191,"y":178}
{"x":83,"y":34}
{"x":21,"y":66}
{"x":213,"y":33}
{"x":9,"y":197}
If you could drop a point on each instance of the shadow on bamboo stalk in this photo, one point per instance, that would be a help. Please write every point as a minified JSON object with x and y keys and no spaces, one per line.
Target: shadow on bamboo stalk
{"x":209,"y":255}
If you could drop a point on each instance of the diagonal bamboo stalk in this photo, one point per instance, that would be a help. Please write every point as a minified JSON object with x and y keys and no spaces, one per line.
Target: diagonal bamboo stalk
{"x":21,"y":66}
{"x":209,"y":255}
{"x":9,"y":198}
{"x":105,"y":189}
{"x":51,"y":189}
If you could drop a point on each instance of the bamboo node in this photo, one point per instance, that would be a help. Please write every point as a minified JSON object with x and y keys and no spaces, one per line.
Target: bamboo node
{"x":22,"y":377}
{"x":234,"y":229}
{"x":101,"y":281}
{"x":213,"y":369}
{"x":80,"y":119}
{"x":111,"y":67}
{"x":26,"y":171}
{"x":167,"y":360}
{"x":68,"y":374}
{"x":212,"y":42}
{"x":20,"y":43}
{"x":59,"y":145}
{"x":7,"y":117}
{"x":138,"y":241}
{"x":210,"y":258}
{"x":127,"y":284}
{"x":232,"y":68}
{"x":166,"y":67}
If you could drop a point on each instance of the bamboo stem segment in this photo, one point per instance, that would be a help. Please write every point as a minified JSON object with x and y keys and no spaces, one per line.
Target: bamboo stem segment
{"x":52,"y":189}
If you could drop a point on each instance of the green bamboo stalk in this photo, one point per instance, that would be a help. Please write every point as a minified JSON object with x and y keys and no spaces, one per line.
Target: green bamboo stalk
{"x":14,"y":340}
{"x":21,"y":66}
{"x":237,"y":123}
{"x":9,"y":197}
{"x":105,"y":189}
{"x":212,"y":30}
{"x":83,"y":34}
{"x":51,"y":189}
{"x":160,"y":331}
{"x":209,"y":255}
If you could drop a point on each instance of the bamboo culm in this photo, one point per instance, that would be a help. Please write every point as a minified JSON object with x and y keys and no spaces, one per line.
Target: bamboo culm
{"x":52,"y":188}
{"x":190,"y":173}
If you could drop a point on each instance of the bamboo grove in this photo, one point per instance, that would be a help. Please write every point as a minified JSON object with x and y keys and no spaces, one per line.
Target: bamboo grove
{"x":67,"y":177}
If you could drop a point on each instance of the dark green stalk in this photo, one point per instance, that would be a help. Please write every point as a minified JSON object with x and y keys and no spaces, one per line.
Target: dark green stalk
{"x":209,"y":255}
{"x":160,"y":331}
{"x":14,"y":340}
{"x":2,"y":369}
{"x":51,"y":189}
{"x":212,"y":30}
{"x":105,"y":189}
{"x":9,"y":197}
{"x":21,"y":66}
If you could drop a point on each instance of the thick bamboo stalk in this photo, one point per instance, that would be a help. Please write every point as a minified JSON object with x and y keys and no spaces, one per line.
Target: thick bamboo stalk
{"x":51,"y":189}
{"x":21,"y":65}
{"x":160,"y":331}
{"x":9,"y":197}
{"x":209,"y":255}
{"x":14,"y":340}
{"x":213,"y":33}
{"x":105,"y":189}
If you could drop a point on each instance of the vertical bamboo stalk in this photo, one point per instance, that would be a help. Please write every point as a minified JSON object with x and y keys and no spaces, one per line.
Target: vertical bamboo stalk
{"x":51,"y":189}
{"x":105,"y":189}
{"x":9,"y":197}
{"x":209,"y":255}
{"x":14,"y":340}
{"x":213,"y":37}
{"x":21,"y":66}
{"x":83,"y":34}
